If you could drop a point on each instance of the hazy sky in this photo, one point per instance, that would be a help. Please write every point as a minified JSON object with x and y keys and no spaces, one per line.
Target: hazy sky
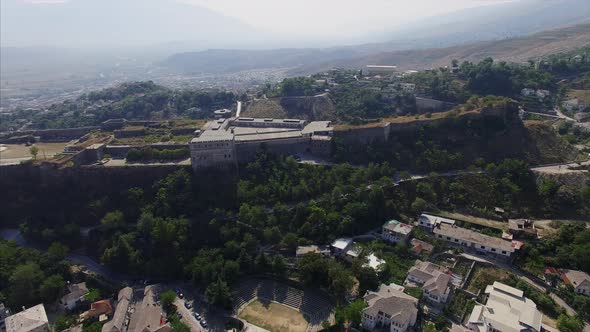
{"x":320,"y":19}
{"x":332,"y":18}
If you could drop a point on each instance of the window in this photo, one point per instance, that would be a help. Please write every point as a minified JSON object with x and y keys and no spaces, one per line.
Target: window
{"x":456,"y":240}
{"x":483,"y":247}
{"x":504,"y":252}
{"x":494,"y":250}
{"x":448,"y":238}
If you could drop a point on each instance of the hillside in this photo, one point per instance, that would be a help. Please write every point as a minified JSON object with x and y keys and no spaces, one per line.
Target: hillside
{"x":407,"y":55}
{"x":518,"y":49}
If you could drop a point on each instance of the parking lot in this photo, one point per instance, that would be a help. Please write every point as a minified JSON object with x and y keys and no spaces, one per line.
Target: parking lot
{"x":215,"y":320}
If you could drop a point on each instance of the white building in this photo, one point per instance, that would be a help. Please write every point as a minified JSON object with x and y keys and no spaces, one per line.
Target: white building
{"x":74,"y":297}
{"x":4,"y":312}
{"x":371,"y":70}
{"x":429,"y":221}
{"x":578,"y":279}
{"x":389,"y":309}
{"x":341,"y":246}
{"x":433,"y":279}
{"x":476,"y":241}
{"x":395,"y":231}
{"x":507,"y":310}
{"x":33,"y":319}
{"x":374,"y":262}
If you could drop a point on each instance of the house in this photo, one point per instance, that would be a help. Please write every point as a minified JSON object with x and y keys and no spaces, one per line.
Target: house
{"x":520,"y":226}
{"x":542,"y":94}
{"x":149,"y":315}
{"x":506,"y":310}
{"x":578,"y":279}
{"x":430,"y":221}
{"x":75,"y":296}
{"x":573,"y":105}
{"x":389,"y":309}
{"x":340,"y":246}
{"x":353,"y":252}
{"x":526,"y":92}
{"x":477,"y":241}
{"x":374,"y":262}
{"x":146,"y":314}
{"x":433,"y":279}
{"x":312,"y":249}
{"x":120,"y":319}
{"x":395,"y":231}
{"x":98,"y":308}
{"x":419,"y":246}
{"x":33,"y":319}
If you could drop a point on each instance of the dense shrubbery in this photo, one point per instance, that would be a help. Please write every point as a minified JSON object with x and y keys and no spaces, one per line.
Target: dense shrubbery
{"x":149,"y":154}
{"x":28,"y":276}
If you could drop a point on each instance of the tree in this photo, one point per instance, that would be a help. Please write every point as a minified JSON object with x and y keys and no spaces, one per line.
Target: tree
{"x":566,"y":323}
{"x":218,"y":293}
{"x":114,"y":219}
{"x":34,"y":150}
{"x":93,"y":295}
{"x":51,"y":288}
{"x":167,"y":298}
{"x":418,"y":205}
{"x":279,"y":266}
{"x":57,"y":251}
{"x":24,"y":284}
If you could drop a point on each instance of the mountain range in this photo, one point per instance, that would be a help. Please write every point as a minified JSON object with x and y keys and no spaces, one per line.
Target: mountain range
{"x":501,"y":25}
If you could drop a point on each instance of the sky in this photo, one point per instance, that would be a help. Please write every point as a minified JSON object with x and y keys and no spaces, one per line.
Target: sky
{"x":328,"y":19}
{"x":333,"y":18}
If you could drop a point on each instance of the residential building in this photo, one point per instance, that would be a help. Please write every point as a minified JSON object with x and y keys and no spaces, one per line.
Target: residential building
{"x":312,"y":249}
{"x":433,"y":279}
{"x":374,"y":262}
{"x":33,"y":319}
{"x":149,"y":315}
{"x":353,"y":252}
{"x":430,"y":221}
{"x":75,"y":296}
{"x":120,"y":320}
{"x":389,"y":309}
{"x":526,"y":92}
{"x":521,"y":226}
{"x":138,"y":311}
{"x":372,"y":70}
{"x":395,"y":231}
{"x":419,"y":246}
{"x":506,"y":310}
{"x":578,"y":279}
{"x":477,"y":241}
{"x":340,"y":246}
{"x":98,"y":308}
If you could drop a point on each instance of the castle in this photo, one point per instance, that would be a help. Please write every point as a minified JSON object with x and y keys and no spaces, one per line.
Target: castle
{"x":227,"y":142}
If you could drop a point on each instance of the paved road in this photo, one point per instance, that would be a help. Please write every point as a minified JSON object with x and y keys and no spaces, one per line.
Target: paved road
{"x":561,"y":168}
{"x":187,"y":315}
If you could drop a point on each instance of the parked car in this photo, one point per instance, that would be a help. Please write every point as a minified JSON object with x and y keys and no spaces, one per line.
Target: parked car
{"x":204,"y":323}
{"x":187,"y":305}
{"x":197,"y":316}
{"x":179,"y":315}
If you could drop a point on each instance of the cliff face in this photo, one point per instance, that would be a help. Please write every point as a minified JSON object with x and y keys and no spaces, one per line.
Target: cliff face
{"x":481,"y":129}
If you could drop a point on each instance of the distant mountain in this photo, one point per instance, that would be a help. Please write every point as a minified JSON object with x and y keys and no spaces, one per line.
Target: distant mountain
{"x":499,"y":21}
{"x":121,"y":23}
{"x":518,"y":49}
{"x":495,"y":22}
